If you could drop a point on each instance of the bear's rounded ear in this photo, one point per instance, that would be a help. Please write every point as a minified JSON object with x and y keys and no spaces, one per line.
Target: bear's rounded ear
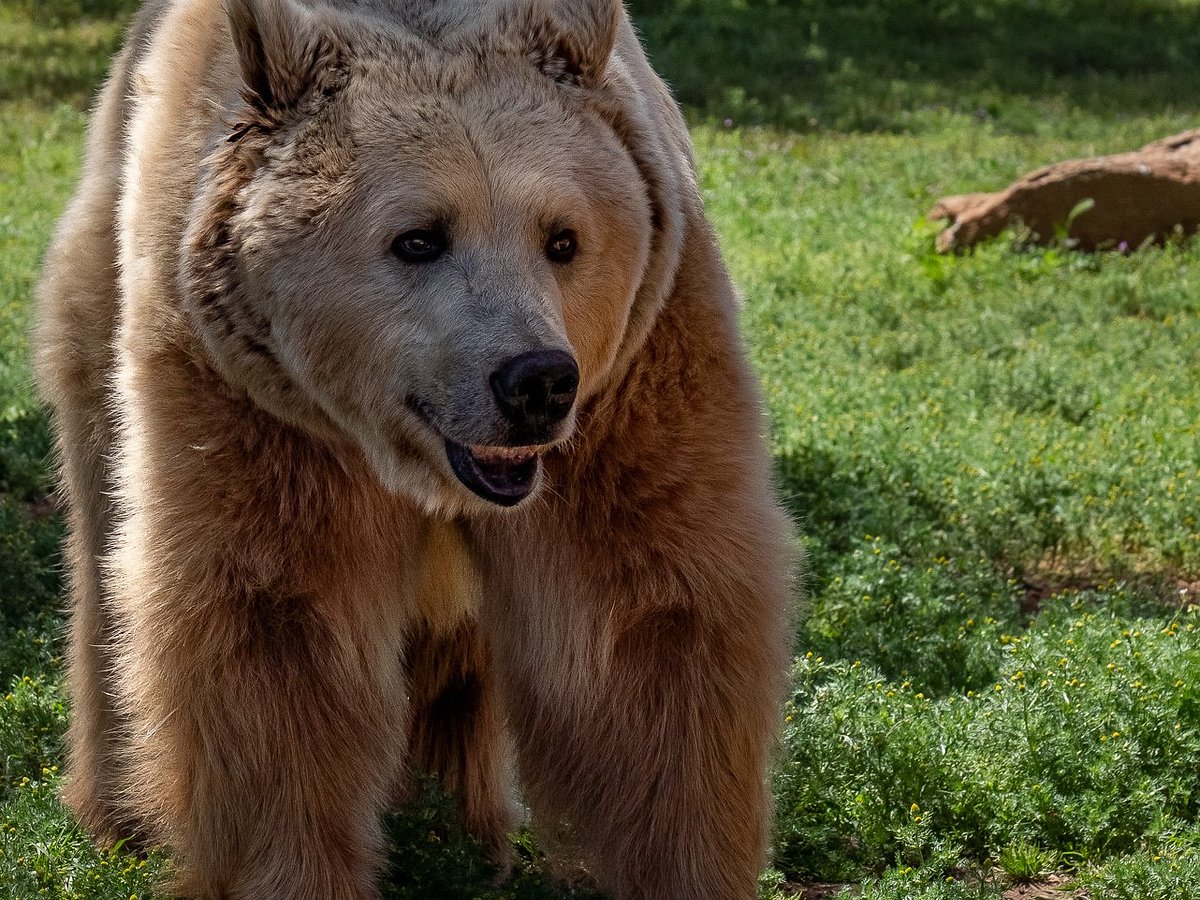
{"x":572,"y":40}
{"x":279,"y":49}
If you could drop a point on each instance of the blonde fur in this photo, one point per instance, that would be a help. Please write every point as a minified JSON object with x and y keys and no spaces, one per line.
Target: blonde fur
{"x":283,"y":600}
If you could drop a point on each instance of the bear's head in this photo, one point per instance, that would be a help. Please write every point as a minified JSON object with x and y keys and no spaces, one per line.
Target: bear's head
{"x":436,"y":231}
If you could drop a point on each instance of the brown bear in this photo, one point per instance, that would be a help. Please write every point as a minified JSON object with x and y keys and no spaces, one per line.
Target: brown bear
{"x":405,"y":425}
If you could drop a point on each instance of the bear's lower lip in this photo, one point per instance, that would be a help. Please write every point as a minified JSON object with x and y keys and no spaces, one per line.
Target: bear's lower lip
{"x":503,"y":475}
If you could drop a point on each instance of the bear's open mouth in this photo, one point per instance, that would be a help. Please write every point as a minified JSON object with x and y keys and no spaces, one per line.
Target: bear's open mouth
{"x":503,"y":475}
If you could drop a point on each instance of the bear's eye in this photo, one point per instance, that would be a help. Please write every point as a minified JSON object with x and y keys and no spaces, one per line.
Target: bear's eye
{"x":561,"y":246}
{"x":419,"y":245}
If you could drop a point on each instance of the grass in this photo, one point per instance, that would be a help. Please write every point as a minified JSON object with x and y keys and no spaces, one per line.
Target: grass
{"x":994,"y":458}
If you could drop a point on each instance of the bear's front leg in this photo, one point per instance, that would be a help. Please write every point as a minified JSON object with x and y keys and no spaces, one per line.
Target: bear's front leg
{"x":265,"y":750}
{"x":260,"y":667}
{"x":644,"y":695}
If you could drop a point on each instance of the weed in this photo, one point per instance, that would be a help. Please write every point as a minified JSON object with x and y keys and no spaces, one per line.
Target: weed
{"x":1023,"y":862}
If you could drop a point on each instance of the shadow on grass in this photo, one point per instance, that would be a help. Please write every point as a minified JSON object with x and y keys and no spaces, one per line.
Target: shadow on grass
{"x":836,"y":503}
{"x":898,"y":578}
{"x":892,"y":582}
{"x":804,"y":64}
{"x":30,"y":567}
{"x":794,"y":64}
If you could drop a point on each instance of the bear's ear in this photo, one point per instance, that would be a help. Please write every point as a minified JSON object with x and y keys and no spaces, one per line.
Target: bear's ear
{"x":279,"y":49}
{"x":571,"y":40}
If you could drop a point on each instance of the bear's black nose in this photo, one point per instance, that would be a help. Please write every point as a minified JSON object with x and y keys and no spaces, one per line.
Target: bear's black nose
{"x":535,"y":390}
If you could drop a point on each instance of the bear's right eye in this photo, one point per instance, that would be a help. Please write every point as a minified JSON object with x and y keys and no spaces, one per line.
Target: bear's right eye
{"x":420,"y":245}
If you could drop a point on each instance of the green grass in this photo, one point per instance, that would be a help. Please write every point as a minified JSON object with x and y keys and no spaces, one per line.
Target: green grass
{"x":994,"y":458}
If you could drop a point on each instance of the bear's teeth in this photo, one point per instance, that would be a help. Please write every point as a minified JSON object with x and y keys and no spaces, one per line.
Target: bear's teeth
{"x":503,"y":454}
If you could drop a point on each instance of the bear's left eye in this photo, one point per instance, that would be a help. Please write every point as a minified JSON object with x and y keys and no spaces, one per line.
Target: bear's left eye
{"x":561,"y":246}
{"x":419,"y":245}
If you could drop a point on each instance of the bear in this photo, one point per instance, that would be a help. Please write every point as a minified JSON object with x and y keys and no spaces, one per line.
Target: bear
{"x":404,"y":427}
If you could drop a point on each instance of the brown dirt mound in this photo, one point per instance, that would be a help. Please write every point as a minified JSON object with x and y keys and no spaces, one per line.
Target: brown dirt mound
{"x":1136,"y":197}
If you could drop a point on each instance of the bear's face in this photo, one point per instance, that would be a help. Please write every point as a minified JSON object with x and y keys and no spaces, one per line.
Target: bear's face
{"x":438,"y":263}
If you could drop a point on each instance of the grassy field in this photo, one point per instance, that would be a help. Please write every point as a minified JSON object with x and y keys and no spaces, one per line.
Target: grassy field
{"x":994,"y":459}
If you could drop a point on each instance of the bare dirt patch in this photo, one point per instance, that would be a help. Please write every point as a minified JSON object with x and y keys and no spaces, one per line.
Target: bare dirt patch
{"x":816,"y":891}
{"x":1056,"y":887}
{"x":42,"y":507}
{"x":1050,"y":577}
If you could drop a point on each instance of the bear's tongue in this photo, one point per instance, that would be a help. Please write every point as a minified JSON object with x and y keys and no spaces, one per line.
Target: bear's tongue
{"x":503,"y":475}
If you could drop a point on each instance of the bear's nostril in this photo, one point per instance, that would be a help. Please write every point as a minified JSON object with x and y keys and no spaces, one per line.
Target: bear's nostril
{"x":565,"y":386}
{"x":536,"y":390}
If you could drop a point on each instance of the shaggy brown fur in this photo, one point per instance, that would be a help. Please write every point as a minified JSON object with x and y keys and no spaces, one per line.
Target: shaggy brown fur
{"x":284,"y":597}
